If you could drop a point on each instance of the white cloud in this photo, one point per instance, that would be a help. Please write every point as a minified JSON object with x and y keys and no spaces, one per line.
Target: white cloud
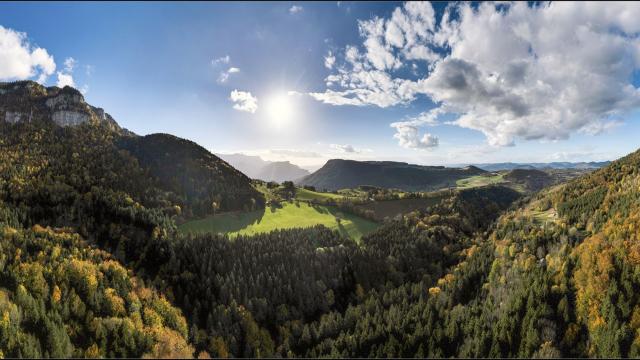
{"x":373,"y":87}
{"x":408,"y":137}
{"x":65,"y":80}
{"x":244,"y":101}
{"x":429,"y":118}
{"x":348,"y":149}
{"x":600,"y":127}
{"x":513,"y":71}
{"x":378,"y":54}
{"x":221,"y":60}
{"x":69,"y":64}
{"x":295,"y":9}
{"x":224,"y":75}
{"x":329,"y":60}
{"x":19,"y":60}
{"x":65,"y":77}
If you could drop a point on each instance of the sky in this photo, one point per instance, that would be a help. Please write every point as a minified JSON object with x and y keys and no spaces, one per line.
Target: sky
{"x":433,"y":84}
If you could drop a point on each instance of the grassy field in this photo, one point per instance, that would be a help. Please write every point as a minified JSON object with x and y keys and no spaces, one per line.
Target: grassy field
{"x":480,"y":180}
{"x":268,"y":194}
{"x":289,"y":216}
{"x":308,"y":195}
{"x":542,"y":217}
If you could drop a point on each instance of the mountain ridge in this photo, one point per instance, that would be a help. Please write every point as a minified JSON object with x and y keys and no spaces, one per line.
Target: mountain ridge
{"x":340,"y":173}
{"x":543,"y":165}
{"x":256,"y":168}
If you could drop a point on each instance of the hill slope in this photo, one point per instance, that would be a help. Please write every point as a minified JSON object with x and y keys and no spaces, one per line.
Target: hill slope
{"x":192,"y":177}
{"x":531,"y":179}
{"x":555,"y":277}
{"x":280,"y":171}
{"x":190,"y":171}
{"x":339,"y":174}
{"x":84,"y":227}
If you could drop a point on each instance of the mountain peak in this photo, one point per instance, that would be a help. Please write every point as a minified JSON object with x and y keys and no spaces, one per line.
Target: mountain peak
{"x":29,"y":101}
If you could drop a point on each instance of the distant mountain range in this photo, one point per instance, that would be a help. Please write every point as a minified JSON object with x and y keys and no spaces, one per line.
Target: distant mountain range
{"x":339,"y":174}
{"x":256,"y":168}
{"x":551,"y":165}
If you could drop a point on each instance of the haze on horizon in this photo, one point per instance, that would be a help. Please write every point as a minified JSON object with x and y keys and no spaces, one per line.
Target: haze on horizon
{"x":306,"y":82}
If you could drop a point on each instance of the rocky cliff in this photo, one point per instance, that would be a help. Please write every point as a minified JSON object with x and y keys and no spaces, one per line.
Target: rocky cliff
{"x":28,"y":101}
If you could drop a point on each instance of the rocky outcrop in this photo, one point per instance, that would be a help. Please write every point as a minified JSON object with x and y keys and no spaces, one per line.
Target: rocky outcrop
{"x":13,"y":117}
{"x":70,"y":118}
{"x":65,"y":100}
{"x":28,"y":101}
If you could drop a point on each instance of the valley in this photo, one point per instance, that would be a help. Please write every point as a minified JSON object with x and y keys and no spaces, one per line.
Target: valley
{"x":319,"y":180}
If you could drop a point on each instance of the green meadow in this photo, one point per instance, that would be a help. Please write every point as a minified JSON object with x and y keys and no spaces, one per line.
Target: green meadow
{"x":308,"y":195}
{"x":480,"y":180}
{"x":290,"y":215}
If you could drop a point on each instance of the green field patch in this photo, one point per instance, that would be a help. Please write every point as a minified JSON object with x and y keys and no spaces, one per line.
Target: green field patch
{"x":308,"y":195}
{"x":480,"y":180}
{"x":543,"y":217}
{"x":290,"y":215}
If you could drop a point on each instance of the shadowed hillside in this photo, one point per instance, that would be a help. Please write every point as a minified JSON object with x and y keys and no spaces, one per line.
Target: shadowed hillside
{"x":190,"y":171}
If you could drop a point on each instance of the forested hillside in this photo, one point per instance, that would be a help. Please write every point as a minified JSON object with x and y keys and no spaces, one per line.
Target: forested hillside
{"x":61,"y":297}
{"x":92,"y":264}
{"x":556,"y":277}
{"x":253,"y":296}
{"x":204,"y":182}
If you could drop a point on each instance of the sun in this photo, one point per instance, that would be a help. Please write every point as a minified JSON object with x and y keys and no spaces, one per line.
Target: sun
{"x":280,"y":110}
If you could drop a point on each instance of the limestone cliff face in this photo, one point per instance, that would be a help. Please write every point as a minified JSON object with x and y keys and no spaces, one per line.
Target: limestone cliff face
{"x":28,"y":101}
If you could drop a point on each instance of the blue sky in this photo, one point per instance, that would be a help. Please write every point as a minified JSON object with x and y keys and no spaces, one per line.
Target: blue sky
{"x":153,"y":67}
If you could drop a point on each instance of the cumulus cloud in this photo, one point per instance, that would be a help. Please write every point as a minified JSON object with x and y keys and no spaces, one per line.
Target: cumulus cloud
{"x":65,"y":79}
{"x":295,"y":9}
{"x":19,"y":60}
{"x":408,"y":137}
{"x":510,"y":70}
{"x":224,"y":75}
{"x":429,"y":118}
{"x":329,"y":60}
{"x":244,"y":101}
{"x":348,"y":149}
